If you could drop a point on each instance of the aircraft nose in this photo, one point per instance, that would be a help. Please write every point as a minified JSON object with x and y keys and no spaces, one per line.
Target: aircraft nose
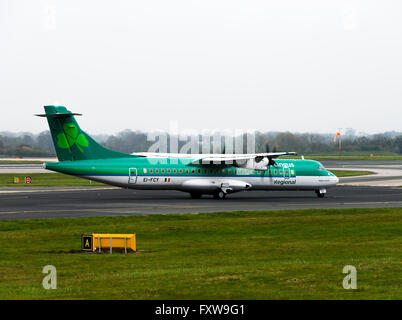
{"x":336,"y":180}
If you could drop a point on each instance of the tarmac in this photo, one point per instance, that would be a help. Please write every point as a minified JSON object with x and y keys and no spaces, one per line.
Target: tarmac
{"x":382,"y":189}
{"x":60,"y":202}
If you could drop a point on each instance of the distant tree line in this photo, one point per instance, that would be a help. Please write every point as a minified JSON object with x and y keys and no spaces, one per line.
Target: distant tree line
{"x":389,"y":143}
{"x":26,"y":145}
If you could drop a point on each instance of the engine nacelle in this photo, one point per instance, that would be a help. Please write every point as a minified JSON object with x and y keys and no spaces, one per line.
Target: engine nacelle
{"x":252,"y":164}
{"x":230,"y":186}
{"x":211,"y":186}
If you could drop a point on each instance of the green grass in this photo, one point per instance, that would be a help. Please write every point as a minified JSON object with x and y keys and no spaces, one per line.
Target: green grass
{"x":313,"y":157}
{"x":350,"y":173}
{"x":21,"y":162}
{"x":45,"y":180}
{"x":239,"y":255}
{"x":63,"y":180}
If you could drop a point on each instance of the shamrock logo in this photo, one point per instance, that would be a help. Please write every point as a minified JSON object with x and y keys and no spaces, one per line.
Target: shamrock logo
{"x":71,"y":137}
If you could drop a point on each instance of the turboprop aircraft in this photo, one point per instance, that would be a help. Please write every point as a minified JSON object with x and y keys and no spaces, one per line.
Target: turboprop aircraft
{"x":196,"y":174}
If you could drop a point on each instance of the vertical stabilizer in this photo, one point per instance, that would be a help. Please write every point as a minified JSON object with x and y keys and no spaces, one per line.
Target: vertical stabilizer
{"x":70,"y":142}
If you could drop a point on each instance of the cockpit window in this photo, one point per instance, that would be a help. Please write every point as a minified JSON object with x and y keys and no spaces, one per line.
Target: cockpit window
{"x":321,"y":167}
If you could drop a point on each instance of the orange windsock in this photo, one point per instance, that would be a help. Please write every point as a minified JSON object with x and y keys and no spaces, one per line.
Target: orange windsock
{"x":336,"y":136}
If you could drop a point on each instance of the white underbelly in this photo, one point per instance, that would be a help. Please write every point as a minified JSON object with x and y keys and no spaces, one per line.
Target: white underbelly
{"x":176,"y":182}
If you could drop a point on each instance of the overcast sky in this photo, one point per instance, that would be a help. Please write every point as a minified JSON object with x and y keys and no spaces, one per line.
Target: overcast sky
{"x":306,"y":66}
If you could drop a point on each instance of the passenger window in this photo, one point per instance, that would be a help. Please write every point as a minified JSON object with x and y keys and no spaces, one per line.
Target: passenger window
{"x":280,"y":172}
{"x":199,"y":170}
{"x":229,"y":171}
{"x":168,"y":170}
{"x":275,"y":172}
{"x":187,"y":170}
{"x":180,"y":170}
{"x":192,"y":170}
{"x":174,"y":170}
{"x":163,"y":170}
{"x":223,"y":171}
{"x":151,"y":170}
{"x":205,"y":171}
{"x":156,"y":170}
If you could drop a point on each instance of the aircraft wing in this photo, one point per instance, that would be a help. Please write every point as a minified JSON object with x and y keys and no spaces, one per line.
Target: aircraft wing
{"x":258,"y":161}
{"x":165,"y":155}
{"x":213,"y":157}
{"x":239,"y":157}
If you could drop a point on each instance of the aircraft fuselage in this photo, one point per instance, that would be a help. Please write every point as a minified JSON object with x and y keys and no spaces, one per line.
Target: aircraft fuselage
{"x":183,"y":175}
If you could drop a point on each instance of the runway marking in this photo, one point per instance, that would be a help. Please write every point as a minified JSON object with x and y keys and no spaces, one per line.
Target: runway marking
{"x":63,"y":210}
{"x":58,"y":190}
{"x":26,"y":197}
{"x":97,"y":210}
{"x":375,"y":202}
{"x":128,"y":211}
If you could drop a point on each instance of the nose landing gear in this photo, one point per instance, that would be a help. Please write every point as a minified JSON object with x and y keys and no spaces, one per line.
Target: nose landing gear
{"x":321,"y":192}
{"x":196,"y":195}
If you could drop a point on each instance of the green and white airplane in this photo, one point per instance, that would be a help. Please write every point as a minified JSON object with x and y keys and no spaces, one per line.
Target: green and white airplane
{"x":197,"y":174}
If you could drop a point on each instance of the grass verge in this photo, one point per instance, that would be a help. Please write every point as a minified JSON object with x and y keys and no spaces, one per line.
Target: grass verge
{"x":45,"y":180}
{"x":350,"y":173}
{"x":21,"y":162}
{"x":238,"y":255}
{"x":63,"y":180}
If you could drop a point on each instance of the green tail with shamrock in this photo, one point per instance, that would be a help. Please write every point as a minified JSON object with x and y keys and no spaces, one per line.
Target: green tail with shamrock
{"x":70,"y":142}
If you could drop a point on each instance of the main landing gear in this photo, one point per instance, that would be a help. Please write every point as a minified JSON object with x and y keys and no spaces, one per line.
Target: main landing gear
{"x":220,"y":195}
{"x":321,"y":192}
{"x":196,"y":195}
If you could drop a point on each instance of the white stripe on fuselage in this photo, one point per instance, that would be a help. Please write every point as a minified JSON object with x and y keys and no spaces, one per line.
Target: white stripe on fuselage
{"x":257,"y":183}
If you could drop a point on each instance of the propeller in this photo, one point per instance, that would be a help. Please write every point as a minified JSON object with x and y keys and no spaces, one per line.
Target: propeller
{"x":266,"y":147}
{"x":271,"y":162}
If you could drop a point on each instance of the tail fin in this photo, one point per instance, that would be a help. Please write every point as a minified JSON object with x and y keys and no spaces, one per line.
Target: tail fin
{"x":70,"y":142}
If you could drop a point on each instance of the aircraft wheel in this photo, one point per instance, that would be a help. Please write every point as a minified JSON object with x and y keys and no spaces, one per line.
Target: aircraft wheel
{"x":196,"y":195}
{"x":220,"y":195}
{"x":319,"y":194}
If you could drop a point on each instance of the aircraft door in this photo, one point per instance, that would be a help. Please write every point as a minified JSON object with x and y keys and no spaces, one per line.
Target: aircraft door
{"x":132,"y":175}
{"x":286,"y":171}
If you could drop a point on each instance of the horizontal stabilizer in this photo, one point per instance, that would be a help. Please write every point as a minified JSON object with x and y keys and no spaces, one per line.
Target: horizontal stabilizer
{"x":59,"y":115}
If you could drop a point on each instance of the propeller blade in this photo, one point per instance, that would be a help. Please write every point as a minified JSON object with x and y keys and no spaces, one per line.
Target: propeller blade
{"x":266,"y":147}
{"x":271,"y":162}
